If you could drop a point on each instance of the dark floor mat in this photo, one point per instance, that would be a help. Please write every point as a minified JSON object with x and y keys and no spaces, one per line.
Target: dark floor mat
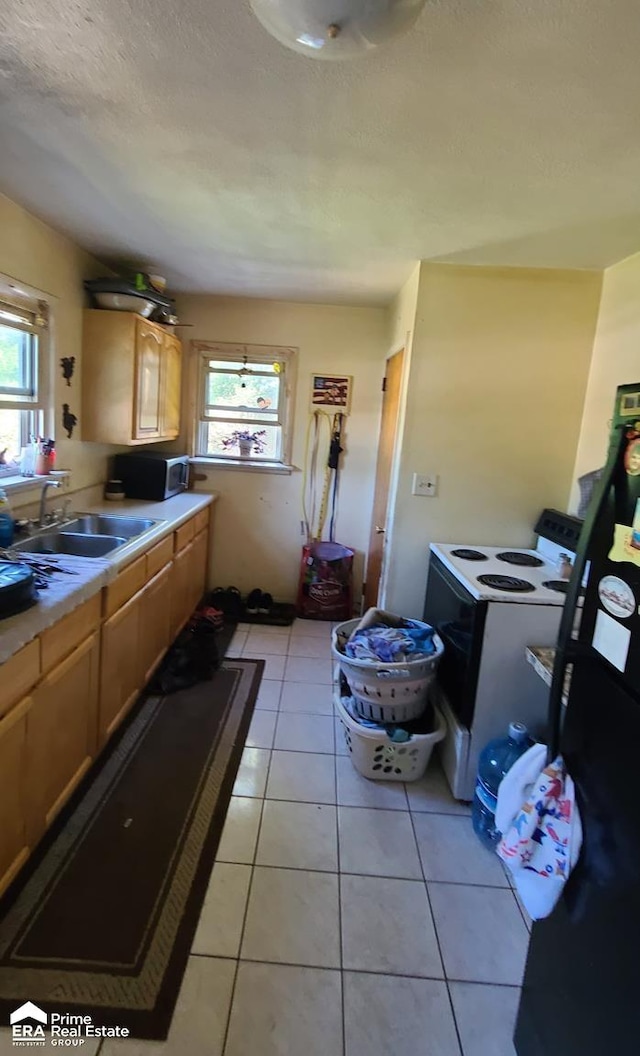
{"x":280,"y":615}
{"x":103,"y":921}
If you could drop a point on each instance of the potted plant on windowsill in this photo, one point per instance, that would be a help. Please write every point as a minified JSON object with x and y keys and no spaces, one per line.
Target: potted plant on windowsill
{"x":248,"y":443}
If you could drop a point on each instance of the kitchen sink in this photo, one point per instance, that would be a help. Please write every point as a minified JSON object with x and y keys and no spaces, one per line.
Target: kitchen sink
{"x":74,"y":543}
{"x":99,"y":524}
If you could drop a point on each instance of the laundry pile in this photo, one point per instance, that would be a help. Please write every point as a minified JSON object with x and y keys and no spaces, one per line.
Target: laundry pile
{"x":386,"y":665}
{"x":391,"y":645}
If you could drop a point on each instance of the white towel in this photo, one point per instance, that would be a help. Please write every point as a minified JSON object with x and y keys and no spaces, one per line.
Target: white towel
{"x":517,"y":783}
{"x":539,"y":817}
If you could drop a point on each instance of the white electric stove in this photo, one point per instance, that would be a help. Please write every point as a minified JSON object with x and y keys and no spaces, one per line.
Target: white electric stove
{"x":498,"y":573}
{"x":488,"y":604}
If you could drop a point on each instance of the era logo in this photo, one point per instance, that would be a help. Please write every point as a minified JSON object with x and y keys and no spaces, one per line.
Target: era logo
{"x":28,"y":1023}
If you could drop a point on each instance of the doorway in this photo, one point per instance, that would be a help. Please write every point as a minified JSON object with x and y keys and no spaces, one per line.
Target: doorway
{"x":384,"y":465}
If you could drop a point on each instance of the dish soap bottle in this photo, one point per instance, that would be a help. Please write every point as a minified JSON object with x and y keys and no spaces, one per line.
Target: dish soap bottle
{"x":496,"y":758}
{"x":6,"y":520}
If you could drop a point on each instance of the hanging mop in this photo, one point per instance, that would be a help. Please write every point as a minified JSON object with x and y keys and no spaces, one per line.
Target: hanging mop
{"x":325,"y":589}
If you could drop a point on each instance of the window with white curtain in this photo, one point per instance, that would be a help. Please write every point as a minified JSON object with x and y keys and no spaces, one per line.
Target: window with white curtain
{"x":23,"y":332}
{"x":244,"y":389}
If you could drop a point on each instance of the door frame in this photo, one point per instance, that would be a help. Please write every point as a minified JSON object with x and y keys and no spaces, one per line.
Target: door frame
{"x":403,"y":351}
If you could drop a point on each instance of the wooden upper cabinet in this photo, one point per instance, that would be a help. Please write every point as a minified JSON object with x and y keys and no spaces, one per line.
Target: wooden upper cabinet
{"x":172,"y":380}
{"x":131,"y":379}
{"x":147,"y":411}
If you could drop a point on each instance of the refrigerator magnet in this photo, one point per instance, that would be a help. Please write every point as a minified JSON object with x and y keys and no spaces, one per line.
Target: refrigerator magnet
{"x":611,"y":640}
{"x":617,"y":597}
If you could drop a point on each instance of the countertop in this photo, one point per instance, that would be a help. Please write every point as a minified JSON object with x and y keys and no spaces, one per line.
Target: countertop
{"x":542,"y":658}
{"x":66,"y":592}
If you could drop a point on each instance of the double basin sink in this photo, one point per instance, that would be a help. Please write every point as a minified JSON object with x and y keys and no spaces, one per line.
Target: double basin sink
{"x":88,"y":535}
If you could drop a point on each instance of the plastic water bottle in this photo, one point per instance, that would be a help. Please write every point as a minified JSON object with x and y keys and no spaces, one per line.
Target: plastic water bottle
{"x":496,"y":758}
{"x":6,"y":520}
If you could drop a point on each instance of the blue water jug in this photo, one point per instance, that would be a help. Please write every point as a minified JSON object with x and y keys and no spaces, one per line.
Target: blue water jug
{"x":496,"y":758}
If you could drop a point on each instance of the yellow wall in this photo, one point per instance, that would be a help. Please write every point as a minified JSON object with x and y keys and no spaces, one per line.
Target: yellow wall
{"x":401,"y":317}
{"x":38,"y":256}
{"x":498,"y":374}
{"x":401,"y":314}
{"x":616,"y":361}
{"x":257,"y":534}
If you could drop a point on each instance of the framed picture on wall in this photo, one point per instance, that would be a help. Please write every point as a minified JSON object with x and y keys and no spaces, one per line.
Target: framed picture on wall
{"x":331,"y":392}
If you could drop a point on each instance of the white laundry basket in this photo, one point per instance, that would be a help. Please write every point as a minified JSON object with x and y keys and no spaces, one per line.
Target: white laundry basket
{"x":376,"y":756}
{"x":385,"y":692}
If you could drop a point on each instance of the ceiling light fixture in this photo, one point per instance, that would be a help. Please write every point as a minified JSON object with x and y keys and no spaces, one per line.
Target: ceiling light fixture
{"x":335,"y":29}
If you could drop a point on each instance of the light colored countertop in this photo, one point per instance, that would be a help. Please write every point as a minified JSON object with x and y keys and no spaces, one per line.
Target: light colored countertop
{"x":541,"y":659}
{"x":66,"y":592}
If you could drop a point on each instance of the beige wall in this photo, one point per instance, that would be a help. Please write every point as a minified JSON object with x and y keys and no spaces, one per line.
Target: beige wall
{"x":40,"y":257}
{"x":401,"y":317}
{"x":498,"y":374}
{"x":616,"y":361}
{"x":401,"y":314}
{"x":257,"y":532}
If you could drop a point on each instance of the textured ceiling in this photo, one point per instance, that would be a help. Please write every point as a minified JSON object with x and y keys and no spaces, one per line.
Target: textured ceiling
{"x":177,"y":132}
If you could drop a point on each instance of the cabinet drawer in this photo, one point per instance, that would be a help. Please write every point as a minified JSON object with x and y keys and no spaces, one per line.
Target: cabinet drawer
{"x":201,"y":521}
{"x":58,"y":641}
{"x":128,"y":583}
{"x":185,"y":534}
{"x":18,"y":674}
{"x":159,"y":556}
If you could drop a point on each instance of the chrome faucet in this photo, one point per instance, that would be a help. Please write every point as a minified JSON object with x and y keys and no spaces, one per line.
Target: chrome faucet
{"x":43,"y":498}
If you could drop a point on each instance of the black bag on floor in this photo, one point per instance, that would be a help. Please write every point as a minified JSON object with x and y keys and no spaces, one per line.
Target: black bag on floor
{"x":192,"y":658}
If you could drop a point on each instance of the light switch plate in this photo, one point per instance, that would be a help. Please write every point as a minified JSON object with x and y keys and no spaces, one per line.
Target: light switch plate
{"x":425,"y":484}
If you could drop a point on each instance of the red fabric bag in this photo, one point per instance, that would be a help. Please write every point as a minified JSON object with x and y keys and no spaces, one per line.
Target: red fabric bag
{"x":325,"y":589}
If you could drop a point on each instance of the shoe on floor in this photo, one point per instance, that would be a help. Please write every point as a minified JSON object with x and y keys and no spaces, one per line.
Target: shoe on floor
{"x":253,"y":601}
{"x":228,"y":601}
{"x":265,"y":604}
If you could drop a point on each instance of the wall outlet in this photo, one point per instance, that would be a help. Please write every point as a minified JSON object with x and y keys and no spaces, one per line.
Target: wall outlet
{"x":425,"y":484}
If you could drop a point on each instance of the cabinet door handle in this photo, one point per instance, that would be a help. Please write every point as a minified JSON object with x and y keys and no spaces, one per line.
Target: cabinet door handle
{"x":379,"y":530}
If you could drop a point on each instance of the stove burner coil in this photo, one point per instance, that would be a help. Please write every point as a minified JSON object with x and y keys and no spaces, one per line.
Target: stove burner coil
{"x":561,"y":586}
{"x":514,"y":557}
{"x":508,"y":583}
{"x":469,"y":555}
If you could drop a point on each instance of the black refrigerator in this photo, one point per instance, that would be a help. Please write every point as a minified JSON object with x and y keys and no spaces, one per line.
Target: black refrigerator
{"x":581,"y":990}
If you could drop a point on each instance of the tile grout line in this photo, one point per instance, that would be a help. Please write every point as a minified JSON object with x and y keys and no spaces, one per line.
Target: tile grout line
{"x":361,"y":971}
{"x":342,"y":978}
{"x":245,"y":914}
{"x":435,"y":931}
{"x":340,"y":933}
{"x":376,"y":876}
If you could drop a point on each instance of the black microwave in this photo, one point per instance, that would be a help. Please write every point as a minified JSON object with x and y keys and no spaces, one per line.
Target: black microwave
{"x":152,"y":475}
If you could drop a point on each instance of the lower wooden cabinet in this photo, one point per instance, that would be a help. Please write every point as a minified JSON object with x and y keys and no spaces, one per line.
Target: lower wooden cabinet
{"x":155,"y":604}
{"x":62,"y":735}
{"x":181,"y":589}
{"x":14,"y":843}
{"x":120,"y":675}
{"x":199,"y":567}
{"x":51,"y":733}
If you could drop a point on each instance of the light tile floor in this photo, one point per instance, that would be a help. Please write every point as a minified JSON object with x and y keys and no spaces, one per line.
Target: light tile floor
{"x":344,"y":917}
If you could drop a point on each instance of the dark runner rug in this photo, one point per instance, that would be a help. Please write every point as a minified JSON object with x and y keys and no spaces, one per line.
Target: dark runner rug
{"x":104,"y":921}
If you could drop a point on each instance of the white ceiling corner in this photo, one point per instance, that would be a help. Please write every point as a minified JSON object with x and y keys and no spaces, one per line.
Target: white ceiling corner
{"x":498,"y":131}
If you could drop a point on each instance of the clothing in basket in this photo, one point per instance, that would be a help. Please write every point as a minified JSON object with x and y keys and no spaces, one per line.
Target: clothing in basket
{"x":412,"y":641}
{"x":387,"y":691}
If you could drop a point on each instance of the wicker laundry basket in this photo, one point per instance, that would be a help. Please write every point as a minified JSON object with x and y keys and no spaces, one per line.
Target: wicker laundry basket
{"x":386,"y":692}
{"x":375,"y":755}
